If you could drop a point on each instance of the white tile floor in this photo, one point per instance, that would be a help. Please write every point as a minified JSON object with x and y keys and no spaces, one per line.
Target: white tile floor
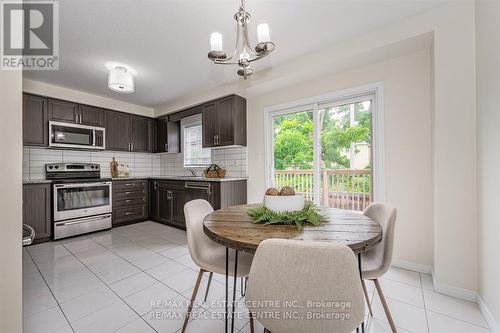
{"x":139,"y":278}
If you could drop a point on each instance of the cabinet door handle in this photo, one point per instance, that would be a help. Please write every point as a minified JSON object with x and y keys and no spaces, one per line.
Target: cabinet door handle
{"x":129,"y":213}
{"x":166,"y":146}
{"x":155,"y":185}
{"x":132,"y":146}
{"x":214,"y":140}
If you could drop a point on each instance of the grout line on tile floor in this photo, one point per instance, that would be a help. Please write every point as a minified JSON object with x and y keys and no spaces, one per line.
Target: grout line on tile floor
{"x":425,"y":307}
{"x":48,"y":287}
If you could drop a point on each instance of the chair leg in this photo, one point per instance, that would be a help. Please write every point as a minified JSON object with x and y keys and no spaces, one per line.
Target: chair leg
{"x":252,"y":328}
{"x":384,"y":304}
{"x":193,"y":298}
{"x":365,"y":291}
{"x":208,"y":286}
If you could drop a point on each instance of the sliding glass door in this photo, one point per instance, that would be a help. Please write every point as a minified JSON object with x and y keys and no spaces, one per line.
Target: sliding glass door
{"x":324,"y":150}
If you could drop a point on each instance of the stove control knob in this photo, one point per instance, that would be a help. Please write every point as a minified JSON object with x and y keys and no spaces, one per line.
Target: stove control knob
{"x":57,"y":167}
{"x":51,"y":167}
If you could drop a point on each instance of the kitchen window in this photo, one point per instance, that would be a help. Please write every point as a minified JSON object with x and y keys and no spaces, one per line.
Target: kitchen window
{"x":192,"y":133}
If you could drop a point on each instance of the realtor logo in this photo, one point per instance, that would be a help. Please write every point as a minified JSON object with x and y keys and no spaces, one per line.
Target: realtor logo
{"x":30,"y":35}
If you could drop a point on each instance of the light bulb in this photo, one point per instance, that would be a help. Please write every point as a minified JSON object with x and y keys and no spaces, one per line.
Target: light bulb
{"x":215,"y":41}
{"x":263,"y":35}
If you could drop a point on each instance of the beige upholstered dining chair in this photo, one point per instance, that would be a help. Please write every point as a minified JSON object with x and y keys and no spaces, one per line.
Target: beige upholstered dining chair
{"x":376,"y":262}
{"x":288,"y":274}
{"x":207,"y":254}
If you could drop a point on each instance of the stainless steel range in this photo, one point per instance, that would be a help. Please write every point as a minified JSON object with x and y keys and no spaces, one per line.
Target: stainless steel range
{"x":82,"y":200}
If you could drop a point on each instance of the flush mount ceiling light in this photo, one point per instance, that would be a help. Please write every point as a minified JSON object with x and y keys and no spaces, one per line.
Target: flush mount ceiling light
{"x":121,"y":80}
{"x":243,"y":53}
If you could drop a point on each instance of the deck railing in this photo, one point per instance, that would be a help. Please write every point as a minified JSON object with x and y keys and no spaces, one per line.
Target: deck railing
{"x":345,"y":189}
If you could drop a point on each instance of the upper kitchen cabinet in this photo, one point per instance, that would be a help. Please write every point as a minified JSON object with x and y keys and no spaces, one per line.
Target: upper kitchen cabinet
{"x":125,"y":132}
{"x":225,"y":122}
{"x":90,"y":115}
{"x":63,"y":111}
{"x":70,"y":112}
{"x":167,"y":134}
{"x":141,"y":130}
{"x":35,"y":121}
{"x":117,"y":131}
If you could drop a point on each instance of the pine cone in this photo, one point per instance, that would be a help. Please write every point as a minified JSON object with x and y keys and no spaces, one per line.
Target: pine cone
{"x":272,"y":191}
{"x":287,"y":191}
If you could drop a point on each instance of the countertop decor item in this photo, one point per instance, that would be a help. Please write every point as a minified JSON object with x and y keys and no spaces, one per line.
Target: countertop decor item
{"x":309,"y":214}
{"x":243,"y":53}
{"x":214,"y":171}
{"x":114,"y":168}
{"x":123,"y":170}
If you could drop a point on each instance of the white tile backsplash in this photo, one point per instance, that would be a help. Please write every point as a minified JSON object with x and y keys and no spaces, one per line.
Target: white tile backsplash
{"x":234,"y":160}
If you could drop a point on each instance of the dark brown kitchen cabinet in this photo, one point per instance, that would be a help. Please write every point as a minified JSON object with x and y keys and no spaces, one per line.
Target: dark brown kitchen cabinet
{"x":224,"y":122}
{"x":90,"y":115}
{"x":37,"y":210}
{"x":117,"y":131}
{"x":126,"y":132}
{"x":167,"y":202}
{"x":167,"y":136}
{"x":63,"y":111}
{"x":130,"y":201}
{"x":35,"y":121}
{"x":168,"y":197}
{"x":210,"y":125}
{"x":141,"y":129}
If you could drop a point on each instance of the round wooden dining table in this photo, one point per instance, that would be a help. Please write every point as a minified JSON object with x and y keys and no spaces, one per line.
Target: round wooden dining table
{"x":234,"y":229}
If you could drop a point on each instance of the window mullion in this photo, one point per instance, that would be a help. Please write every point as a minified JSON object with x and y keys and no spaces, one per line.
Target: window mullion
{"x":316,"y":154}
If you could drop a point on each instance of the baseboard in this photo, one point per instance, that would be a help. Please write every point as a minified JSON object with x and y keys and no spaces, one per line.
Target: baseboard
{"x":412,"y":266}
{"x":492,"y":323}
{"x":446,"y":289}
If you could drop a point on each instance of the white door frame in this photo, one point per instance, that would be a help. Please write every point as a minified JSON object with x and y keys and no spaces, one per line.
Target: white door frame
{"x":311,"y":104}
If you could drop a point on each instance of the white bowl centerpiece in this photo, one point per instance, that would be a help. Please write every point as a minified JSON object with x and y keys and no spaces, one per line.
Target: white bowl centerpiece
{"x":285,"y":200}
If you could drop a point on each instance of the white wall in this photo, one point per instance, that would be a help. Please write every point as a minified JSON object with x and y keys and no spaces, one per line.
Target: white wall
{"x":453,"y":122}
{"x":408,"y":157}
{"x":10,"y":201}
{"x":50,"y":90}
{"x":488,"y":102}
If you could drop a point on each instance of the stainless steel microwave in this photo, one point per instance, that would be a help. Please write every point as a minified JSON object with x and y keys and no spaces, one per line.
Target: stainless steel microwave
{"x":65,"y":135}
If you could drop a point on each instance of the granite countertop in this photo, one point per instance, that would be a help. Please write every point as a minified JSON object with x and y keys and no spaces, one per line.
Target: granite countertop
{"x":36,"y":181}
{"x":184,"y":178}
{"x":198,"y":178}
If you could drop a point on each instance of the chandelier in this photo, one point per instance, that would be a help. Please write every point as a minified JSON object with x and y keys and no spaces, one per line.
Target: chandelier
{"x":243,"y":54}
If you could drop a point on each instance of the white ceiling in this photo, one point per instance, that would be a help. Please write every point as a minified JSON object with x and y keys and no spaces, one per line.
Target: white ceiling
{"x":166,"y":42}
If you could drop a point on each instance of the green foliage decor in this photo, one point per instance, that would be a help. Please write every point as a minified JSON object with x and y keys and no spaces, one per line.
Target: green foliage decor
{"x":310,"y":214}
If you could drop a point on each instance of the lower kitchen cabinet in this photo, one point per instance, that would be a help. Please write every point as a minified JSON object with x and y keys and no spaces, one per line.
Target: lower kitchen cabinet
{"x":130,"y":201}
{"x":167,"y":202}
{"x":168,"y":197}
{"x":37,"y":210}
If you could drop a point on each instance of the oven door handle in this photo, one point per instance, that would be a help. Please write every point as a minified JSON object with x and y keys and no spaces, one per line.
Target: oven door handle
{"x":85,"y":220}
{"x":82,"y":185}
